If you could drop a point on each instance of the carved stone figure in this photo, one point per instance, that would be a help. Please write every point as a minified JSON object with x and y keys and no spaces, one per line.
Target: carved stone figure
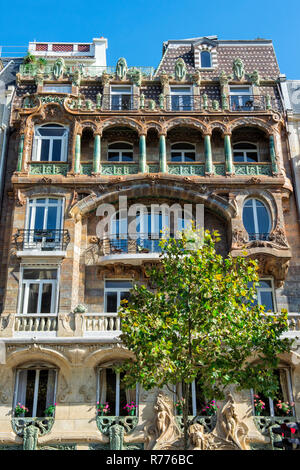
{"x":76,"y":78}
{"x":198,"y":439}
{"x":255,"y":78}
{"x":58,"y":68}
{"x":116,"y":437}
{"x":234,"y":430}
{"x":121,"y":68}
{"x":30,"y":437}
{"x":238,"y":69}
{"x":180,"y":69}
{"x":166,"y":429}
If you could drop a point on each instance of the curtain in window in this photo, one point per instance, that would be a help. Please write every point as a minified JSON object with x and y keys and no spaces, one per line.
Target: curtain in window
{"x":21,"y":394}
{"x":50,"y":397}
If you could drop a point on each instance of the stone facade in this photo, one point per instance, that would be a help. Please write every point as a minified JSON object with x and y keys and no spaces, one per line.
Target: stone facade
{"x":233,"y":101}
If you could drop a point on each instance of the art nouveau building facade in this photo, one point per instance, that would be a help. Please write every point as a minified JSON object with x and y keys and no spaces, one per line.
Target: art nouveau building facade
{"x":206,"y":127}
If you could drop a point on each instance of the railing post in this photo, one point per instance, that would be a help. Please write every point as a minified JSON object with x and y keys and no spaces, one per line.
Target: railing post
{"x":20,"y":153}
{"x":77,"y":153}
{"x":208,"y":155}
{"x":97,"y":154}
{"x":228,"y":154}
{"x":162,"y":154}
{"x":273,"y":154}
{"x":143,"y":154}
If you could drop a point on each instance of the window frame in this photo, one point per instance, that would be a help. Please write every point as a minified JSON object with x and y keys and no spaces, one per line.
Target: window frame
{"x":182,"y":152}
{"x":117,"y":391}
{"x":200,"y":59}
{"x":37,"y":368}
{"x":38,"y":139}
{"x":26,"y":282}
{"x":119,"y":290}
{"x":181,"y":105}
{"x":267,"y":289}
{"x":244,"y":151}
{"x":255,"y":218}
{"x":120,"y":93}
{"x":120,"y":150}
{"x":271,"y":402}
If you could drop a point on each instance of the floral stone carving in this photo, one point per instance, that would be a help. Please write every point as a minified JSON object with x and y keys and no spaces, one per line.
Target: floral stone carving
{"x":116,"y":428}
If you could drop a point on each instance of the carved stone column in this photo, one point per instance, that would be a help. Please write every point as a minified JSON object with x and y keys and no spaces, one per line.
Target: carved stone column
{"x":273,"y":154}
{"x":162,"y":154}
{"x":208,"y":155}
{"x":20,"y":153}
{"x":143,"y":155}
{"x":97,"y":154}
{"x":228,"y":155}
{"x":77,"y":153}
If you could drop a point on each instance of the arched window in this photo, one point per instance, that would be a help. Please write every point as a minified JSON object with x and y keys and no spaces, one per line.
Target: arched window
{"x":50,"y":143}
{"x":36,"y":390}
{"x":245,"y":152}
{"x":256,"y":219}
{"x":120,"y":152}
{"x":183,"y":152}
{"x":111,"y":390}
{"x":205,"y":59}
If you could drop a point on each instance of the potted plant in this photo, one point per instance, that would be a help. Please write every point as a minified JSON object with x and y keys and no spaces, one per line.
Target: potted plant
{"x":20,"y":410}
{"x":179,"y":406}
{"x":259,"y":405}
{"x":131,"y":408}
{"x":103,"y":408}
{"x":50,"y":411}
{"x":284,"y":408}
{"x":210,"y":408}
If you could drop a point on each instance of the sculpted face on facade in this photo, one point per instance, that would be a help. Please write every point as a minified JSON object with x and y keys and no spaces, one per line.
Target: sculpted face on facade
{"x":206,"y":127}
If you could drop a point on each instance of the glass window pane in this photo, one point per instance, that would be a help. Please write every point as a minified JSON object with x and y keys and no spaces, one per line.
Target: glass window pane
{"x":56,"y":150}
{"x":265,"y":283}
{"x":51,"y":219}
{"x":51,"y":132}
{"x":252,"y":157}
{"x":30,"y":390}
{"x":263,"y":219}
{"x":266,"y":299}
{"x":45,"y":145}
{"x":39,"y":274}
{"x":33,"y":297}
{"x":113,"y":157}
{"x":111,"y":302}
{"x":248,"y":219}
{"x":189,"y":156}
{"x":110,"y":395}
{"x":42,"y":393}
{"x":205,"y":59}
{"x":46,"y":298}
{"x":118,"y":284}
{"x":39,"y":218}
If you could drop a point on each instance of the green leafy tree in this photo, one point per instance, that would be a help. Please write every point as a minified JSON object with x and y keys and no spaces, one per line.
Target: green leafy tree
{"x":199,"y":320}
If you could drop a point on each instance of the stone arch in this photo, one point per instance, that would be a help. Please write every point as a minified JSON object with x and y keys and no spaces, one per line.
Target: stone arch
{"x":123,"y":122}
{"x":155,"y":125}
{"x":253,"y":122}
{"x":103,"y":355}
{"x":220,"y":126}
{"x":36,"y":353}
{"x":185,"y":122}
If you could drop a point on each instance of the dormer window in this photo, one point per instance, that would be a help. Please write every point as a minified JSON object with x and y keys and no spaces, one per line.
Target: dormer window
{"x":205,"y":59}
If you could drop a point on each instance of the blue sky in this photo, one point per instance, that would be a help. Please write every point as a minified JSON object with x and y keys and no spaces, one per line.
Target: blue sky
{"x":136,"y":29}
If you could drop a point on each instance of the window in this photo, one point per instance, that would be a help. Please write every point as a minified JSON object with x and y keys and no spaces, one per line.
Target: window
{"x":44,"y":223}
{"x":284,"y":394}
{"x":111,"y":390}
{"x":50,"y":143}
{"x":265,"y":294}
{"x":181,"y":99}
{"x":114,"y":293}
{"x":197,"y":399}
{"x":57,"y":88}
{"x":245,"y":152}
{"x":256,"y":219}
{"x":121,"y":98}
{"x":205,"y":59}
{"x":183,"y":152}
{"x":120,"y":152}
{"x":241,"y":98}
{"x":39,"y":292}
{"x":36,"y":389}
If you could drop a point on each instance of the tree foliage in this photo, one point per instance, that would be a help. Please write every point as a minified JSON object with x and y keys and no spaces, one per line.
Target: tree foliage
{"x":200,"y":320}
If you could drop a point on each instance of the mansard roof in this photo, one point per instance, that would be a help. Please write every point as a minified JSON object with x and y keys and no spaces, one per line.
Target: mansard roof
{"x":257,"y":54}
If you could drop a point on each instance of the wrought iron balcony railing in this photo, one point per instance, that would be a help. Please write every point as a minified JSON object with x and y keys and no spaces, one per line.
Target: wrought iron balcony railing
{"x":120,"y":102}
{"x":44,"y":239}
{"x":264,"y":236}
{"x":140,"y":244}
{"x":253,"y":103}
{"x":182,"y":103}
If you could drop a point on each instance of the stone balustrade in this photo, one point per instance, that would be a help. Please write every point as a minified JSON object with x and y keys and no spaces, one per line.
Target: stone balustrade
{"x":101,"y":323}
{"x":35,"y":324}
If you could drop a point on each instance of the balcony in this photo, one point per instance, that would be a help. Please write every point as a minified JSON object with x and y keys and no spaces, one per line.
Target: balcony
{"x":141,"y":246}
{"x":41,"y":325}
{"x":31,"y":242}
{"x":106,"y":325}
